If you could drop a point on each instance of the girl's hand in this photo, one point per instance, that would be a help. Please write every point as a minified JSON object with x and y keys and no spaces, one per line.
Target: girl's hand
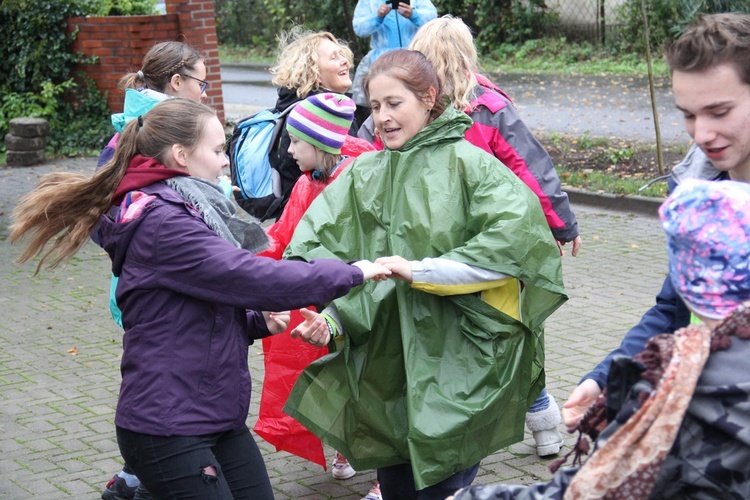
{"x":276,"y":322}
{"x":372,"y":271}
{"x":583,"y":396}
{"x":313,"y":329}
{"x":399,"y":267}
{"x":383,"y":10}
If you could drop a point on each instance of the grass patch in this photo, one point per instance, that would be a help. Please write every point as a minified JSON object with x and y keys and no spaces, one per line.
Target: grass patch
{"x":600,"y":164}
{"x":547,"y":55}
{"x":236,"y":54}
{"x":557,"y":55}
{"x":606,"y":182}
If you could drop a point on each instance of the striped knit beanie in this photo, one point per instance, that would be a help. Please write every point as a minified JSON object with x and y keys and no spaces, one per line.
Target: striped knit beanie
{"x":323,"y":120}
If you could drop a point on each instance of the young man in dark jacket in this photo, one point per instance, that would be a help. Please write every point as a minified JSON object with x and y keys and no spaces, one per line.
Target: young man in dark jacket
{"x":710,"y":66}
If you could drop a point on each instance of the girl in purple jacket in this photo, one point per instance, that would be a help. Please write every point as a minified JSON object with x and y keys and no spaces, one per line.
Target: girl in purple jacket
{"x":190,"y":294}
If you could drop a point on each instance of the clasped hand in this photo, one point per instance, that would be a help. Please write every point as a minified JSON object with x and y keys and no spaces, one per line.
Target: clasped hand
{"x":314,"y":329}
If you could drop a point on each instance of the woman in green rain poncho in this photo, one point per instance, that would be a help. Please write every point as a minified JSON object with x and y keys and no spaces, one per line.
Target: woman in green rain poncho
{"x":435,"y":371}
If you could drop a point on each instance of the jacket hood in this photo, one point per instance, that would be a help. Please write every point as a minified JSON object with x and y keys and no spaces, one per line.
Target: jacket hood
{"x":287,"y":97}
{"x":142,"y":171}
{"x":696,"y":165}
{"x":137,"y":103}
{"x":116,"y":237}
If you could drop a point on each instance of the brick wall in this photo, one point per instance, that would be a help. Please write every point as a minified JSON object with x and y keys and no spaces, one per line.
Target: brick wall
{"x":120,"y":42}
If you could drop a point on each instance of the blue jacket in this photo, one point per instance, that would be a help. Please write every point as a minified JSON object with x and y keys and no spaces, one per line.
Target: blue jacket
{"x":393,"y":31}
{"x":189,"y":301}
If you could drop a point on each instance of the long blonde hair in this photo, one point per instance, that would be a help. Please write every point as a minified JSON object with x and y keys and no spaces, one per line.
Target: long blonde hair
{"x":448,"y":44}
{"x":66,"y":206}
{"x":297,"y":60}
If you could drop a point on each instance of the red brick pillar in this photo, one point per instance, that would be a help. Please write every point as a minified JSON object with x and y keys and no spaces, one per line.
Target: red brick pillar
{"x":198,"y":25}
{"x":121,"y":42}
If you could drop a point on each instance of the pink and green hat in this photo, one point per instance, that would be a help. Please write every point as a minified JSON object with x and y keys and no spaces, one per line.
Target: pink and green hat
{"x":323,"y":120}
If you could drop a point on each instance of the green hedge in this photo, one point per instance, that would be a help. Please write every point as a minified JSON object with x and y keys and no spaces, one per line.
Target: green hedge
{"x":38,"y":81}
{"x":256,"y":23}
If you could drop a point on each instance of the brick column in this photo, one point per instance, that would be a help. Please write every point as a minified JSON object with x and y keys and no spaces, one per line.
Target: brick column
{"x":197,"y":23}
{"x":121,"y":42}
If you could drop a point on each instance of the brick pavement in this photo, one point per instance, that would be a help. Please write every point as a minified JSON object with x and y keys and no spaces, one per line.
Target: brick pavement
{"x":59,"y":356}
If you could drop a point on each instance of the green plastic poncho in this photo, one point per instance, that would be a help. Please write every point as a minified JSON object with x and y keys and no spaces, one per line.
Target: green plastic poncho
{"x":440,"y":382}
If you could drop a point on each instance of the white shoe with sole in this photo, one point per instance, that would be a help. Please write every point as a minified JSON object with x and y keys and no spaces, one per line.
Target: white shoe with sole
{"x":341,"y":468}
{"x":374,"y":493}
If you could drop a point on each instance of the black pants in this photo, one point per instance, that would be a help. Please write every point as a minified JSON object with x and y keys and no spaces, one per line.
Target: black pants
{"x":222,"y":466}
{"x":397,"y":483}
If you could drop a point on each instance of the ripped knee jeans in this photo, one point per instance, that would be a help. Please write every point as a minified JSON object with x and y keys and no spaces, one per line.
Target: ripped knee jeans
{"x":220,"y":466}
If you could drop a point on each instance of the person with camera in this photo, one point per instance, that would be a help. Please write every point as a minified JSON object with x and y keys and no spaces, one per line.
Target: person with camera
{"x":390,"y":25}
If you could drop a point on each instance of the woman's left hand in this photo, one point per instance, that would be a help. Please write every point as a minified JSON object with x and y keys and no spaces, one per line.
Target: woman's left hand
{"x":313,"y":329}
{"x":576,"y":244}
{"x":276,"y":322}
{"x":398,"y":266}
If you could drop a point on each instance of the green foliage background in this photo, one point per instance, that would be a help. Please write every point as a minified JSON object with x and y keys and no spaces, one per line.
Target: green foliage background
{"x":667,"y":19}
{"x":38,"y":81}
{"x":37,"y":50}
{"x":257,"y":22}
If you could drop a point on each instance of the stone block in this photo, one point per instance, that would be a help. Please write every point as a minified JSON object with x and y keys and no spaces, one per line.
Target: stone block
{"x":29,"y":127}
{"x":24,"y":158}
{"x":17,"y":143}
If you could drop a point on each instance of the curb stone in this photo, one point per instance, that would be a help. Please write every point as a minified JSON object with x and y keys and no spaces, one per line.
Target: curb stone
{"x":643,"y":205}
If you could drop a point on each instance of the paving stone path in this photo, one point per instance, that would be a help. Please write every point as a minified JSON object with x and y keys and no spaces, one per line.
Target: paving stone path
{"x":60,"y":353}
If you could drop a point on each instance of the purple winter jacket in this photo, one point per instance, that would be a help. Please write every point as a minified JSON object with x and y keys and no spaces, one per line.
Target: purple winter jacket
{"x":189,"y":303}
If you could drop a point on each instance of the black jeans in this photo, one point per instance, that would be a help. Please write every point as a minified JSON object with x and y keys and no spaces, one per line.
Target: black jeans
{"x":397,"y":483}
{"x":223,"y":466}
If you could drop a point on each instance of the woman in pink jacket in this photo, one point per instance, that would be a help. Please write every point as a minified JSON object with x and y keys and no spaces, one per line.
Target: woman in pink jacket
{"x":498,"y":129}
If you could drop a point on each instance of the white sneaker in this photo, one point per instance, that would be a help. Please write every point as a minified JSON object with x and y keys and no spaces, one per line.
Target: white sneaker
{"x":543,"y":425}
{"x":341,"y":468}
{"x":374,"y":493}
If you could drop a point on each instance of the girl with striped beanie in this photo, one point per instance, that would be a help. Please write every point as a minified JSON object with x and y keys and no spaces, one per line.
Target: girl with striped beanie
{"x":318,"y":128}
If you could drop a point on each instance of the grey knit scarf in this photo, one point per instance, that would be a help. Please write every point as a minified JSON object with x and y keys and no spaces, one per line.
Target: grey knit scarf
{"x":219,"y":213}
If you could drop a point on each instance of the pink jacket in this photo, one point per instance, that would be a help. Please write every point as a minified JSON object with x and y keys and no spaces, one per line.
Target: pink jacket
{"x":499,"y":130}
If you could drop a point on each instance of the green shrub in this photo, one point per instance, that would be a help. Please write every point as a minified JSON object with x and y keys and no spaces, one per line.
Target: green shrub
{"x":257,"y":23}
{"x":121,"y":7}
{"x":667,"y":19}
{"x":254,"y":23}
{"x":37,"y":81}
{"x":81,"y":125}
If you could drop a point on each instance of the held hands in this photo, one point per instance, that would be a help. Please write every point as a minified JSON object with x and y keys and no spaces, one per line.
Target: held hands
{"x":398,"y":266}
{"x":578,"y":402}
{"x":313,"y":329}
{"x":372,"y":271}
{"x":276,"y":322}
